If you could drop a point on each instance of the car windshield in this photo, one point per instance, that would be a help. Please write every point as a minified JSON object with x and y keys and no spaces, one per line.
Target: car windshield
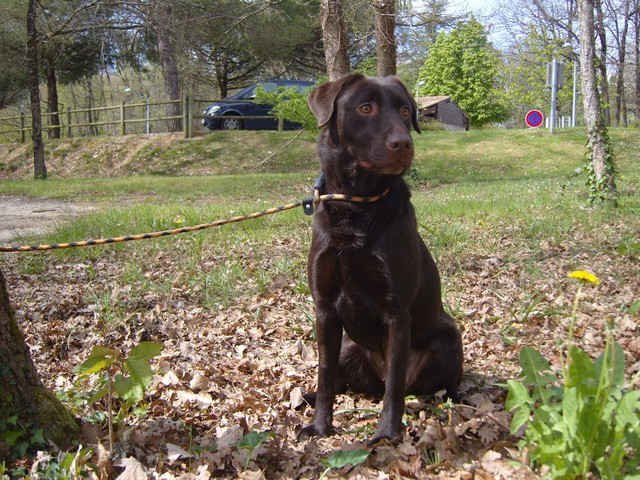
{"x":251,"y":91}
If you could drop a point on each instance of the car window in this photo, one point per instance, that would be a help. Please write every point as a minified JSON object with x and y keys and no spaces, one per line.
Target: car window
{"x":302,"y":88}
{"x":269,"y":86}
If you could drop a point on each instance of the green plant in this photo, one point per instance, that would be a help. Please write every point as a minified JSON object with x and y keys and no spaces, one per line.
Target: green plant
{"x":251,"y":441}
{"x":600,"y":188}
{"x":288,"y":104}
{"x":342,"y":458}
{"x":464,"y":65}
{"x":19,"y":438}
{"x":125,"y":377}
{"x":65,"y":466}
{"x":579,"y":421}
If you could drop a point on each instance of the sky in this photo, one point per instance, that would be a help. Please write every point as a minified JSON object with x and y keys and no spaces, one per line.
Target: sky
{"x":478,"y":7}
{"x":483,"y":10}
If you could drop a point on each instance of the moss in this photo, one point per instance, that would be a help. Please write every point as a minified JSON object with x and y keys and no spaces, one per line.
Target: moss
{"x":58,"y":424}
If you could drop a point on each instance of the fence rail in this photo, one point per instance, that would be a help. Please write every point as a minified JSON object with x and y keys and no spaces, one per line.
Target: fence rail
{"x":139,"y":117}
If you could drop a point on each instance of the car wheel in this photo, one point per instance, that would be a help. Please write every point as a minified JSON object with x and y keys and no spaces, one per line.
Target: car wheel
{"x":231,"y":124}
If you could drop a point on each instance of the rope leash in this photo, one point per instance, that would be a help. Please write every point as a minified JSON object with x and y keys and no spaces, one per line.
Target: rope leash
{"x":308,"y":205}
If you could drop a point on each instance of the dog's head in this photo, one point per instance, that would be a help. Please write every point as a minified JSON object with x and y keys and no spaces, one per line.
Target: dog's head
{"x":369,"y":117}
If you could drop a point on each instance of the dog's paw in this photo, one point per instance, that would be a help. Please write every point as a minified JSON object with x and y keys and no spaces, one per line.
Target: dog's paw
{"x":310,"y":399}
{"x":384,"y":438}
{"x":312,"y":430}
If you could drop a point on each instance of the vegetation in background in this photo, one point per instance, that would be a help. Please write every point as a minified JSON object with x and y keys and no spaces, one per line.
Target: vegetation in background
{"x":464,"y":65}
{"x":289,"y":104}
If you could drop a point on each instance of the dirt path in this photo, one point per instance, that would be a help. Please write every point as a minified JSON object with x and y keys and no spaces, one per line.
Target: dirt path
{"x":22,"y":216}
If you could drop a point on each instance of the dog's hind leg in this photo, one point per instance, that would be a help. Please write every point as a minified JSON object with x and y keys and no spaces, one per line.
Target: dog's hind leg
{"x":439,"y":366}
{"x":357,"y":370}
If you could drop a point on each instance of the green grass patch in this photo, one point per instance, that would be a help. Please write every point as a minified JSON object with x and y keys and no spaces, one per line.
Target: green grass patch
{"x":471,"y":191}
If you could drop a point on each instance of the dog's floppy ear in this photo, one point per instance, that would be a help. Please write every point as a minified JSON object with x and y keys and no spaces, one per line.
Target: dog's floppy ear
{"x":412,"y":103}
{"x":322,"y":99}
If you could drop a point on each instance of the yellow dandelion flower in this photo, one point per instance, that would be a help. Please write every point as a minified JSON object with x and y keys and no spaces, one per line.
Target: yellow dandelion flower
{"x":585,"y":276}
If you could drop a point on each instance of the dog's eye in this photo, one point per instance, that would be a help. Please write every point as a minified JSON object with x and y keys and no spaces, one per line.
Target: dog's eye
{"x":405,"y":112}
{"x":366,"y":109}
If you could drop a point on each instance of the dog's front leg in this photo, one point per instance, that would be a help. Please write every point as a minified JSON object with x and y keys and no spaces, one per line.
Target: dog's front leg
{"x":329,"y":334}
{"x":396,"y":358}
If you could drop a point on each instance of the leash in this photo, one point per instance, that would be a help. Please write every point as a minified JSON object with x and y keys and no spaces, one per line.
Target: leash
{"x":309,"y":205}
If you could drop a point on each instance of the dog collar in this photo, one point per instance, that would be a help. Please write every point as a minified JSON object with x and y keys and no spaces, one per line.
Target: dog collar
{"x":309,"y":205}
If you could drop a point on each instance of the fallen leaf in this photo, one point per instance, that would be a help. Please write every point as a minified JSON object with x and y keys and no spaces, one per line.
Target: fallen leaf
{"x":133,"y":470}
{"x":174,"y":452}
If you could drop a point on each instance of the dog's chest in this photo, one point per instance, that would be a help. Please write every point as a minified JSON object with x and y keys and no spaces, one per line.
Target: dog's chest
{"x":365,"y":294}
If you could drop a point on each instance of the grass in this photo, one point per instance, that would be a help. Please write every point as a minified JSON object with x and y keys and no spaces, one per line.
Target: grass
{"x":471,"y":191}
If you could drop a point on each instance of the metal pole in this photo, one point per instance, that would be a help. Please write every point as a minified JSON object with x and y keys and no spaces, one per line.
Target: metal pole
{"x":554,"y":94}
{"x":575,"y":94}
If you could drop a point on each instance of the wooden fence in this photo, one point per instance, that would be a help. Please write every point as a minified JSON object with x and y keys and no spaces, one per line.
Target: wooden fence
{"x":123,"y":119}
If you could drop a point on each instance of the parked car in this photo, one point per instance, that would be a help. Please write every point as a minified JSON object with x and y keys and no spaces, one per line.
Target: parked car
{"x":220,"y":115}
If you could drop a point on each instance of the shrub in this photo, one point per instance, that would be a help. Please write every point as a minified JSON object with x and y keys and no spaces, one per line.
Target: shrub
{"x":288,"y":104}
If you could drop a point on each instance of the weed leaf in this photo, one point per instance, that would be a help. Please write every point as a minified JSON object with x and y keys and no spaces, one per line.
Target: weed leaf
{"x":100,"y":359}
{"x":534,"y":366}
{"x":628,"y":412}
{"x":518,"y":399}
{"x":581,"y":372}
{"x":140,"y":371}
{"x":342,"y":458}
{"x":146,"y":350}
{"x":612,"y":361}
{"x":253,"y":440}
{"x":128,"y":389}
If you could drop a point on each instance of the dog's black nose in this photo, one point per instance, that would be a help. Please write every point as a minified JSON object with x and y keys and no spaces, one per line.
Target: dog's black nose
{"x":398,"y":141}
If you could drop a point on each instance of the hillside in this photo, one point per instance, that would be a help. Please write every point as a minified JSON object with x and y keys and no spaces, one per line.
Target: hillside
{"x":441,"y":156}
{"x":164,"y":154}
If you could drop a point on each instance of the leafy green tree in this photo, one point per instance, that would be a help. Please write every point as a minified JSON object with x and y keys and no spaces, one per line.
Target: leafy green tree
{"x":13,"y":75}
{"x":464,"y":65}
{"x":524,"y":73}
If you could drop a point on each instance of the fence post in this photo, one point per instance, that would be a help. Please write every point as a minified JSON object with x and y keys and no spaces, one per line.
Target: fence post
{"x":186,"y":117}
{"x":61,"y":120}
{"x":147,"y":117}
{"x":69,"y":123}
{"x":190,"y":115}
{"x":123,"y":125}
{"x":22,"y":135}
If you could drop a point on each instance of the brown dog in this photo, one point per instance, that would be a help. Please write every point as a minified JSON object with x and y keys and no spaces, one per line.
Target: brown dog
{"x":380,"y":324}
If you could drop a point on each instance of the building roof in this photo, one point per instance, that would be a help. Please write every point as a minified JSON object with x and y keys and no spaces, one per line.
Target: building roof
{"x":426,"y":102}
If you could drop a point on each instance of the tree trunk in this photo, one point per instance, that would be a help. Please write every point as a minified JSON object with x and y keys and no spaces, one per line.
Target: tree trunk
{"x":23,"y":394}
{"x":334,"y":38}
{"x":92,"y":116}
{"x":385,"y":36}
{"x":167,"y":54}
{"x":621,"y":104}
{"x":602,"y":63}
{"x":636,"y":48}
{"x":39,"y":167}
{"x":222,"y":74}
{"x":603,"y":185}
{"x":53,"y":129}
